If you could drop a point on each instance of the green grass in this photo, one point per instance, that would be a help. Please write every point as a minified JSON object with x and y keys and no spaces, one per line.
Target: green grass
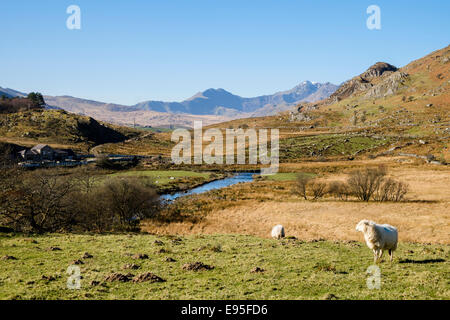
{"x":293,"y":269}
{"x":163,"y":176}
{"x":328,"y":145}
{"x":169,"y":181}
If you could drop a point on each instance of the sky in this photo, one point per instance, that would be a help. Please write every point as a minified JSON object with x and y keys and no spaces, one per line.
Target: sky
{"x":135,"y":50}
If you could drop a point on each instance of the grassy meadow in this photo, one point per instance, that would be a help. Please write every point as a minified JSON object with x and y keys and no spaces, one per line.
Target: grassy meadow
{"x":288,"y":269}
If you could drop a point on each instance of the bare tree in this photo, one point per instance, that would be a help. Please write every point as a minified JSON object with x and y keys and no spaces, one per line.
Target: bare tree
{"x":129,"y":200}
{"x":364,"y":183}
{"x":339,"y":190}
{"x":37,"y":201}
{"x":302,"y":183}
{"x":319,"y":189}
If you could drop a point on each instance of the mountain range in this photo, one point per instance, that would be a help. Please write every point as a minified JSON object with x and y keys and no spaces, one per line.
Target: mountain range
{"x":210,"y":106}
{"x":222,"y":102}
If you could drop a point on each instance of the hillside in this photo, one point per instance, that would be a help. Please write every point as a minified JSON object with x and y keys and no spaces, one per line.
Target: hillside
{"x":10,"y":93}
{"x":59,"y":128}
{"x":244,"y":267}
{"x":408,"y":109}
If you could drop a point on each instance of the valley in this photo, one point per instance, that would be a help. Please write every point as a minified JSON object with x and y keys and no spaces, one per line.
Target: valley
{"x":388,"y":122}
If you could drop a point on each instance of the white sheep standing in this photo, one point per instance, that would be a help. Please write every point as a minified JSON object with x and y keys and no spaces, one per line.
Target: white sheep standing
{"x":379,"y":237}
{"x":278,"y":232}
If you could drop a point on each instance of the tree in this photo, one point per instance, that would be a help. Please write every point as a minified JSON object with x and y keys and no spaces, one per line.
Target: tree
{"x":364,"y":183}
{"x":36,"y":99}
{"x":302,"y":183}
{"x":37,"y":201}
{"x":129,"y":200}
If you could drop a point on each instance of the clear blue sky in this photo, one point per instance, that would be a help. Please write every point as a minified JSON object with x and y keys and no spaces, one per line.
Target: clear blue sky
{"x":135,"y":50}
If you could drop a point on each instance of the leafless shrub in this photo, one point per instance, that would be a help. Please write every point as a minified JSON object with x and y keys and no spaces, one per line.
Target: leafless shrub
{"x":36,"y":201}
{"x":372,"y":183}
{"x":339,"y":190}
{"x":400,"y":191}
{"x":364,"y":183}
{"x":48,"y":200}
{"x":129,"y":200}
{"x":302,"y":182}
{"x":318,"y":189}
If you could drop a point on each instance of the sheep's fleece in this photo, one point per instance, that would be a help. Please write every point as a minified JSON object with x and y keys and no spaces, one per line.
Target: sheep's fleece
{"x":278,"y":232}
{"x":379,"y":237}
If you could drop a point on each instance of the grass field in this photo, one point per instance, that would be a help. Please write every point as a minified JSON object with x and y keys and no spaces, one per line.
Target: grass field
{"x":168,"y":181}
{"x":293,"y":269}
{"x":163,"y":176}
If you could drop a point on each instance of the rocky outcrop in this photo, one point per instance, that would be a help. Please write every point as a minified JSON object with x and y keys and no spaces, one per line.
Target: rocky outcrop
{"x":363,"y":82}
{"x":388,"y":86}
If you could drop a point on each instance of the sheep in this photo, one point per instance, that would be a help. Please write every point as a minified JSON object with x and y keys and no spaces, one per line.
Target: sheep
{"x":278,"y":232}
{"x":379,"y":237}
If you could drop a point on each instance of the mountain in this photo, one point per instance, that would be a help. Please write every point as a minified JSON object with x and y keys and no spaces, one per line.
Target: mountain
{"x":222,"y":102}
{"x":10,"y":93}
{"x":413,"y":100}
{"x":364,"y":81}
{"x":210,"y":106}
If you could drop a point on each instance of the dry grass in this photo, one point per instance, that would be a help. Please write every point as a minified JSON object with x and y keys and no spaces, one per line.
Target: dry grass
{"x":256,"y":207}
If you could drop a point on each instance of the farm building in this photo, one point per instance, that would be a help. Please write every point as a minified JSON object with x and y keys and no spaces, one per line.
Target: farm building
{"x":43,"y":152}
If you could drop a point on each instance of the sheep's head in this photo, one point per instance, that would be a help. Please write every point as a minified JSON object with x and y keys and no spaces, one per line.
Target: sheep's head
{"x":363,"y":225}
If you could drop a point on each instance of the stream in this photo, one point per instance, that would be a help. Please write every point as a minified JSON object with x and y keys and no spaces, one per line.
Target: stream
{"x":217,"y":184}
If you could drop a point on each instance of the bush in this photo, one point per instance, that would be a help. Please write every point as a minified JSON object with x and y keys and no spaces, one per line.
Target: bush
{"x":318,"y":189}
{"x":339,"y":190}
{"x":371,"y":183}
{"x":46,"y":200}
{"x":364,"y":183}
{"x":391,"y":190}
{"x":37,"y":201}
{"x":302,"y":183}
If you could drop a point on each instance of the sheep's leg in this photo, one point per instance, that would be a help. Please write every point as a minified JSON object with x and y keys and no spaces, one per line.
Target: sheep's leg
{"x":375,"y":256}
{"x":381,"y":254}
{"x":391,"y":254}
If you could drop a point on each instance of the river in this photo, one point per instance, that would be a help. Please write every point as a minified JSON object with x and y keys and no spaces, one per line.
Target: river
{"x":217,"y":184}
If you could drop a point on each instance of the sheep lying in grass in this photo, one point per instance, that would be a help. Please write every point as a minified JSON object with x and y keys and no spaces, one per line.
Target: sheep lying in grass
{"x":278,"y":232}
{"x":379,"y":237}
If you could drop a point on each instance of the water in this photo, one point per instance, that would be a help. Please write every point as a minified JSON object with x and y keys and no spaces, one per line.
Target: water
{"x":218,"y":184}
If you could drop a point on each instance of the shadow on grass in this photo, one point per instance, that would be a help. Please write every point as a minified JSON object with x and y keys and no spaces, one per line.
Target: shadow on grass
{"x":426,"y":261}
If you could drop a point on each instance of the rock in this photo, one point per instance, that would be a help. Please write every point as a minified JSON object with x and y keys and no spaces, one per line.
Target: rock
{"x":158,"y":243}
{"x":94,"y":283}
{"x":77,"y":262}
{"x":148,"y":276}
{"x":429,"y":105}
{"x":170,"y":260}
{"x":197,"y":266}
{"x":54,"y":249}
{"x":388,"y":86}
{"x":87,"y":256}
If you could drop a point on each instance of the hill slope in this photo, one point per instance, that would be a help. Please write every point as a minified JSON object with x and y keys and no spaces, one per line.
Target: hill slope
{"x":59,"y":127}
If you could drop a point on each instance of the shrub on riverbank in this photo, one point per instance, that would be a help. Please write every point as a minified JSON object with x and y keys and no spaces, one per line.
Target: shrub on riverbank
{"x":49,"y":200}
